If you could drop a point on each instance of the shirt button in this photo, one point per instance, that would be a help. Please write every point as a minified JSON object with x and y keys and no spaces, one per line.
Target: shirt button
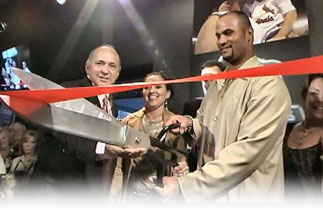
{"x":215,"y":118}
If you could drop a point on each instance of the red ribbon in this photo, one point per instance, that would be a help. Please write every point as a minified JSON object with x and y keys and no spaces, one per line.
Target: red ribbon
{"x":297,"y":67}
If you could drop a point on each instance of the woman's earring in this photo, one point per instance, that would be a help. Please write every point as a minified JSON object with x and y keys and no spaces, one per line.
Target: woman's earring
{"x":166,"y":105}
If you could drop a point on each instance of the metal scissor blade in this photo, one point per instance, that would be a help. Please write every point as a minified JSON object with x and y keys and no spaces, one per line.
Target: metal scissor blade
{"x":85,"y":126}
{"x":78,"y":117}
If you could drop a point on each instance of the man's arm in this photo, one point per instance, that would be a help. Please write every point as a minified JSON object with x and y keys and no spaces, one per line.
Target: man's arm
{"x":287,"y":27}
{"x":290,"y":15}
{"x":206,"y":38}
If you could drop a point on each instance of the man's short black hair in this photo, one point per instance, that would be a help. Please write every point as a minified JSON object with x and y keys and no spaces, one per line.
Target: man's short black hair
{"x":243,"y":18}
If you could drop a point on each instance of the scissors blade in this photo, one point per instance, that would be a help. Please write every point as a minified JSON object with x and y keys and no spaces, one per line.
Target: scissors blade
{"x":77,"y":117}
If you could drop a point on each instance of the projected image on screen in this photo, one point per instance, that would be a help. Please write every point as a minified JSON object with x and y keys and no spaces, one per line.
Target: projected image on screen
{"x":17,"y":57}
{"x":271,"y":20}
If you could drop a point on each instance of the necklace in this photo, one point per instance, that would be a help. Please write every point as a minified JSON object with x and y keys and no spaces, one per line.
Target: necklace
{"x":154,"y":121}
{"x":306,"y":130}
{"x":152,"y":127}
{"x":304,"y":134}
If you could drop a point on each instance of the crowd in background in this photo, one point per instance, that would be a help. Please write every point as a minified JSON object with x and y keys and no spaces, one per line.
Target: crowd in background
{"x":18,"y":148}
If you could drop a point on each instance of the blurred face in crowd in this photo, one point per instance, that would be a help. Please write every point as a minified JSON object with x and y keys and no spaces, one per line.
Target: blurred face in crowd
{"x":17,"y":131}
{"x":103,"y":66}
{"x":155,"y":96}
{"x":208,"y":71}
{"x":29,"y":145}
{"x":314,"y":100}
{"x":233,"y":39}
{"x":4,"y":140}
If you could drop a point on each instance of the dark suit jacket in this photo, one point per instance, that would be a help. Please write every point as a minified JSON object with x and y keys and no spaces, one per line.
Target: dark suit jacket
{"x":65,"y":160}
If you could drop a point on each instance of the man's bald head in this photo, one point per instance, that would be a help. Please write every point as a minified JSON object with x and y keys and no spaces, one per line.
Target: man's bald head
{"x":112,"y":48}
{"x":103,"y":66}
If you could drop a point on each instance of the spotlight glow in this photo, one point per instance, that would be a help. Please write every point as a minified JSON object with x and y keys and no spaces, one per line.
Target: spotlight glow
{"x":61,"y":2}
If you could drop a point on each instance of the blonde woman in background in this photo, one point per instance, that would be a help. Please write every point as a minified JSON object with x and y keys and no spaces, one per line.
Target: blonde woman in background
{"x":26,"y":162}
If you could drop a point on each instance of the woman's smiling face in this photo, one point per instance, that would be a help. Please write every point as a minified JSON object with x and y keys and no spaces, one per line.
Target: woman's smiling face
{"x":314,"y":100}
{"x":155,"y":96}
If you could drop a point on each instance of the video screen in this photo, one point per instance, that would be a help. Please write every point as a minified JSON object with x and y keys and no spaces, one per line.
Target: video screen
{"x":272,"y":20}
{"x":17,"y":57}
{"x":126,"y":106}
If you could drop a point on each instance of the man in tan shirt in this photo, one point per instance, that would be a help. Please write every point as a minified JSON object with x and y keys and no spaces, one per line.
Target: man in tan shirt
{"x":240,"y":128}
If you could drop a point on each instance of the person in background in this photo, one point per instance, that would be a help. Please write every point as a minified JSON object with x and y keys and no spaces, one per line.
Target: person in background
{"x":142,"y":173}
{"x":15,"y":80}
{"x":5,"y":149}
{"x":26,"y":162}
{"x":303,"y":163}
{"x":25,"y":67}
{"x":210,"y":67}
{"x":17,"y":132}
{"x":207,"y":68}
{"x":240,"y":127}
{"x":6,"y":82}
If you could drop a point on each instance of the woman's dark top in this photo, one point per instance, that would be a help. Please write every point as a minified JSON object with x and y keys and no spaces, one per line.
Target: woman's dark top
{"x":303,"y":172}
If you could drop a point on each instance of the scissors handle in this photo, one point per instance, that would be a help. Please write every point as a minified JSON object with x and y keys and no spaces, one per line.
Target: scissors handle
{"x":162,"y":134}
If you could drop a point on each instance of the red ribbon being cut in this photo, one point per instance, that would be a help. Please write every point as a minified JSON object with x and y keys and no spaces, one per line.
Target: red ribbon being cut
{"x":297,"y":67}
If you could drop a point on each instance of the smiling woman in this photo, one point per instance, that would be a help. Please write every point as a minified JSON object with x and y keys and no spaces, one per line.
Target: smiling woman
{"x":141,"y":174}
{"x":304,"y":146}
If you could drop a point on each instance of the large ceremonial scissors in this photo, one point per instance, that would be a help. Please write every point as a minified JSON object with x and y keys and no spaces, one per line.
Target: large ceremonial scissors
{"x":77,"y":117}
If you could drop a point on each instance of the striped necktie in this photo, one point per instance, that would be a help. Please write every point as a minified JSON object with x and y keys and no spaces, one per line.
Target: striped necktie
{"x":105,"y":104}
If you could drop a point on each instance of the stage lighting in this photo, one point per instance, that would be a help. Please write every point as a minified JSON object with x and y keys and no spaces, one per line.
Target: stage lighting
{"x":61,"y":2}
{"x":3,"y":26}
